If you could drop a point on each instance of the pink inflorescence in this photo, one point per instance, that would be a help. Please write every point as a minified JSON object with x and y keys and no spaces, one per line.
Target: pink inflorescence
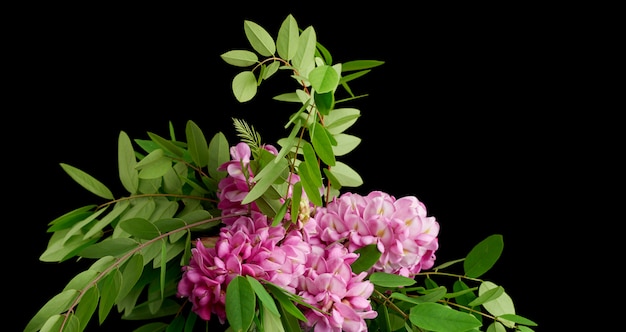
{"x":400,"y":228}
{"x":248,"y":247}
{"x":313,"y":257}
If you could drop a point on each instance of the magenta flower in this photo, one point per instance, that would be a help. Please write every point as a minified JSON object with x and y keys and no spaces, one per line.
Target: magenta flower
{"x":233,"y":188}
{"x":204,"y":284}
{"x":400,"y":228}
{"x":248,"y":248}
{"x":312,"y":257}
{"x":341,"y":296}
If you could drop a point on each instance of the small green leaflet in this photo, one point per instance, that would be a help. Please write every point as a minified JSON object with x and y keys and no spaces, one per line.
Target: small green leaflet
{"x":240,"y":304}
{"x":483,"y":256}
{"x":88,"y":182}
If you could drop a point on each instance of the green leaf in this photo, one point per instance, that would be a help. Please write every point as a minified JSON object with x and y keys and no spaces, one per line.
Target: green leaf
{"x":324,"y":79}
{"x":126,"y":163}
{"x":155,"y":299}
{"x":518,"y":319}
{"x":263,"y":295}
{"x":109,"y":288}
{"x":322,"y":144}
{"x":163,"y":261}
{"x":219,"y":153}
{"x":520,"y":328}
{"x":308,"y":182}
{"x":433,"y":294}
{"x":332,"y":180}
{"x":143,"y":311}
{"x":190,"y":322}
{"x":360,"y":65}
{"x":413,"y":299}
{"x":197,"y":216}
{"x":244,"y":86}
{"x":152,"y":327}
{"x":368,"y":256}
{"x":291,"y":97}
{"x":272,"y":69}
{"x":166,"y":145}
{"x":70,"y":218}
{"x":82,"y":279}
{"x":97,"y":227}
{"x":88,"y":182}
{"x":288,"y":144}
{"x":56,"y":305}
{"x":438,"y":318}
{"x":487,"y":296}
{"x":286,"y":302}
{"x":346,"y":176}
{"x":269,"y":206}
{"x":154,"y":165}
{"x":240,"y":304}
{"x":483,"y":256}
{"x":172,"y":179}
{"x":341,"y":119}
{"x":289,"y":321}
{"x":500,"y":306}
{"x":280,"y":214}
{"x":382,"y":320}
{"x":296,"y":198}
{"x":72,"y":324}
{"x":177,"y":324}
{"x":324,"y":102}
{"x":271,"y":320}
{"x":323,"y":53}
{"x":430,"y":283}
{"x":103,"y":264}
{"x":80,"y":227}
{"x":345,"y":144}
{"x":143,"y":207}
{"x":131,"y":273}
{"x":169,"y":224}
{"x":384,"y":279}
{"x":268,"y":174}
{"x":304,"y":60}
{"x":109,"y":247}
{"x":448,"y":263}
{"x":467,"y":295}
{"x":54,"y":323}
{"x":240,"y":58}
{"x":197,"y":145}
{"x":87,"y":306}
{"x":259,"y":38}
{"x":351,"y":77}
{"x":288,"y":38}
{"x":310,"y":162}
{"x":172,"y":250}
{"x":60,"y":249}
{"x":140,"y":228}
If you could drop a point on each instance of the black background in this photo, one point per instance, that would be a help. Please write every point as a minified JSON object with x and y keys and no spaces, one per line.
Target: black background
{"x":471,"y":113}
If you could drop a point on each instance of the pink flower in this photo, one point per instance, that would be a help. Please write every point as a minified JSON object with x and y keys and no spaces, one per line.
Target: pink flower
{"x":312,"y":257}
{"x":203,"y":284}
{"x":233,"y":188}
{"x":401,"y":229}
{"x":249,"y":247}
{"x":341,"y":296}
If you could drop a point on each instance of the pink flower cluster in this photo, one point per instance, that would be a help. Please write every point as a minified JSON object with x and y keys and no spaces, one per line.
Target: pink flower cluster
{"x":234,"y":188}
{"x":248,"y":247}
{"x":313,"y":257}
{"x":400,"y":228}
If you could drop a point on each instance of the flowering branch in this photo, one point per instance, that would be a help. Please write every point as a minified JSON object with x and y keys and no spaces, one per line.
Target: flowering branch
{"x":261,"y":236}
